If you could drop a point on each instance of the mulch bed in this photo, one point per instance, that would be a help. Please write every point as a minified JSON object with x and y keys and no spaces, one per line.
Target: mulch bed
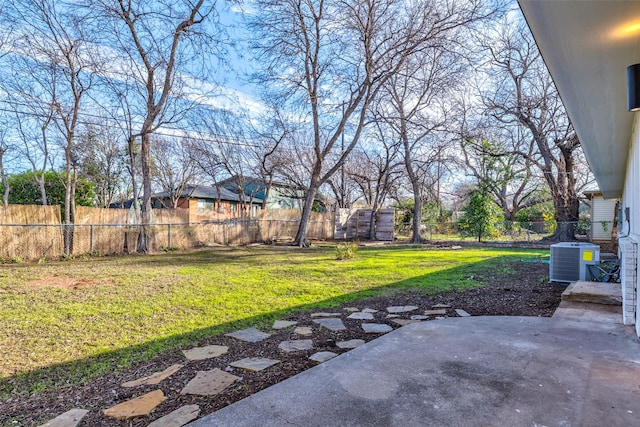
{"x":523,"y":293}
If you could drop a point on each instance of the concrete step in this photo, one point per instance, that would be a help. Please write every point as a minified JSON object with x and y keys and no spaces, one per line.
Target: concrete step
{"x":585,"y":311}
{"x":594,"y":293}
{"x":593,"y":301}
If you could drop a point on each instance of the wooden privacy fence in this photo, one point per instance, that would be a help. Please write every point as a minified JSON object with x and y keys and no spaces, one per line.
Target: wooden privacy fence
{"x":356,"y":224}
{"x":30,"y":232}
{"x":36,"y":232}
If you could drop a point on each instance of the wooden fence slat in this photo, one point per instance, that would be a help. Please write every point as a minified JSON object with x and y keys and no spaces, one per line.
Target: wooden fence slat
{"x":34,"y":232}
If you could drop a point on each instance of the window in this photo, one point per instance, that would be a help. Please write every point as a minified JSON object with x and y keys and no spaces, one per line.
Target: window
{"x":206,"y":207}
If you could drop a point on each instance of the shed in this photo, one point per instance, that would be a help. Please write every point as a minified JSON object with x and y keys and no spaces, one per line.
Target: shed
{"x":603,"y":212}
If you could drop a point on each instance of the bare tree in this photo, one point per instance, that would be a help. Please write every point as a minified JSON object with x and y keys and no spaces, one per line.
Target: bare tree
{"x":120,"y":109}
{"x":413,"y":109}
{"x":31,"y":117}
{"x":60,"y":60}
{"x":523,"y":92}
{"x":376,"y":169}
{"x":101,"y":157}
{"x":174,"y":166}
{"x":329,"y":60}
{"x":269,"y":142}
{"x":205,"y":156}
{"x":158,"y":41}
{"x":344,"y":185}
{"x":5,"y":147}
{"x":226,"y":150}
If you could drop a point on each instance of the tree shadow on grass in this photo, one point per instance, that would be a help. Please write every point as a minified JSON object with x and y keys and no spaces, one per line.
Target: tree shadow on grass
{"x":80,"y":371}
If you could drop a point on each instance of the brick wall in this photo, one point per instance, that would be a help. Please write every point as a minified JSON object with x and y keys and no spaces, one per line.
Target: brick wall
{"x":629,"y":279}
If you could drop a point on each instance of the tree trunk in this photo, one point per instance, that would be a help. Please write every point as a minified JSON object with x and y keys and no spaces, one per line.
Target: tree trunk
{"x":267,"y":193}
{"x":134,"y":187}
{"x":67,"y":227}
{"x":301,"y":235}
{"x":5,"y":183}
{"x":565,"y":198}
{"x":417,"y":198}
{"x":566,"y":216}
{"x":145,"y":160}
{"x":417,"y":217}
{"x":372,"y":223}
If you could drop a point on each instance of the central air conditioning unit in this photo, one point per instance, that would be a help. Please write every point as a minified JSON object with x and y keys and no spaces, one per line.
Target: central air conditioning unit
{"x":570,"y":261}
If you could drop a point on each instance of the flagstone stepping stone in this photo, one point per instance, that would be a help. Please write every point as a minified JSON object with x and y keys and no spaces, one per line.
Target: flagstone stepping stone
{"x":419,"y":317}
{"x":392,"y":316}
{"x":401,"y":309}
{"x":249,"y":335}
{"x":178,"y":418}
{"x":69,"y":419}
{"x":325,"y":314}
{"x":303,"y":330}
{"x":154,"y":378}
{"x":207,"y":352}
{"x":331,"y":323}
{"x":351,"y":309}
{"x":438,"y":312}
{"x":281,"y":324}
{"x":295,"y":345}
{"x":376,"y":328}
{"x":138,"y":407}
{"x":369,"y":310}
{"x":440,"y":306}
{"x":209,"y":383}
{"x":322,"y":356}
{"x":360,"y":316}
{"x":460,"y":312}
{"x":404,"y":322}
{"x":254,"y":364}
{"x":350,"y":344}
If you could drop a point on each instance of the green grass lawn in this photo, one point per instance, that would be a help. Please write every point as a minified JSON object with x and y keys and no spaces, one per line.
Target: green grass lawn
{"x":128,"y":309}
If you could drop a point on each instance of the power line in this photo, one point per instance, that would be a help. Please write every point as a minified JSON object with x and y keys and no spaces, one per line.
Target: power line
{"x":185,"y":134}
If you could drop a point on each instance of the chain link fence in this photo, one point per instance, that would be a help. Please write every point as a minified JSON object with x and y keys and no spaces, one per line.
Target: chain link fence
{"x":22,"y":242}
{"x":40,"y":241}
{"x":508,"y":231}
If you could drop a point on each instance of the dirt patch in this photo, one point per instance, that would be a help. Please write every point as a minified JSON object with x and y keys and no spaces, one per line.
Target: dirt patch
{"x":64,"y":282}
{"x":525,"y":292}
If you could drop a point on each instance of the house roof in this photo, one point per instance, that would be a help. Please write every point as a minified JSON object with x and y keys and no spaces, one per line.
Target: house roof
{"x":252,"y":179}
{"x":591,"y":194}
{"x":206,"y":192}
{"x":587,"y":46}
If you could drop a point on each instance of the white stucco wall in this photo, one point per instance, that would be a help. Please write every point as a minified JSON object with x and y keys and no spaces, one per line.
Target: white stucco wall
{"x":629,"y":232}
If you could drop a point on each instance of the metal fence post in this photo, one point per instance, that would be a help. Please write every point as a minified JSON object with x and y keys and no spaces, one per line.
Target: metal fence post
{"x":91,"y":240}
{"x":169,"y":237}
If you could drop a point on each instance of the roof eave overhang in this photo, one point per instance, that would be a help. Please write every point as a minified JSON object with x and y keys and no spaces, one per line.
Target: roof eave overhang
{"x":587,"y":52}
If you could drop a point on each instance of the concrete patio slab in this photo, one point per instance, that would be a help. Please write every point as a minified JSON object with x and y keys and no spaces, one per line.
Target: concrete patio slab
{"x":515,"y":371}
{"x":594,"y":292}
